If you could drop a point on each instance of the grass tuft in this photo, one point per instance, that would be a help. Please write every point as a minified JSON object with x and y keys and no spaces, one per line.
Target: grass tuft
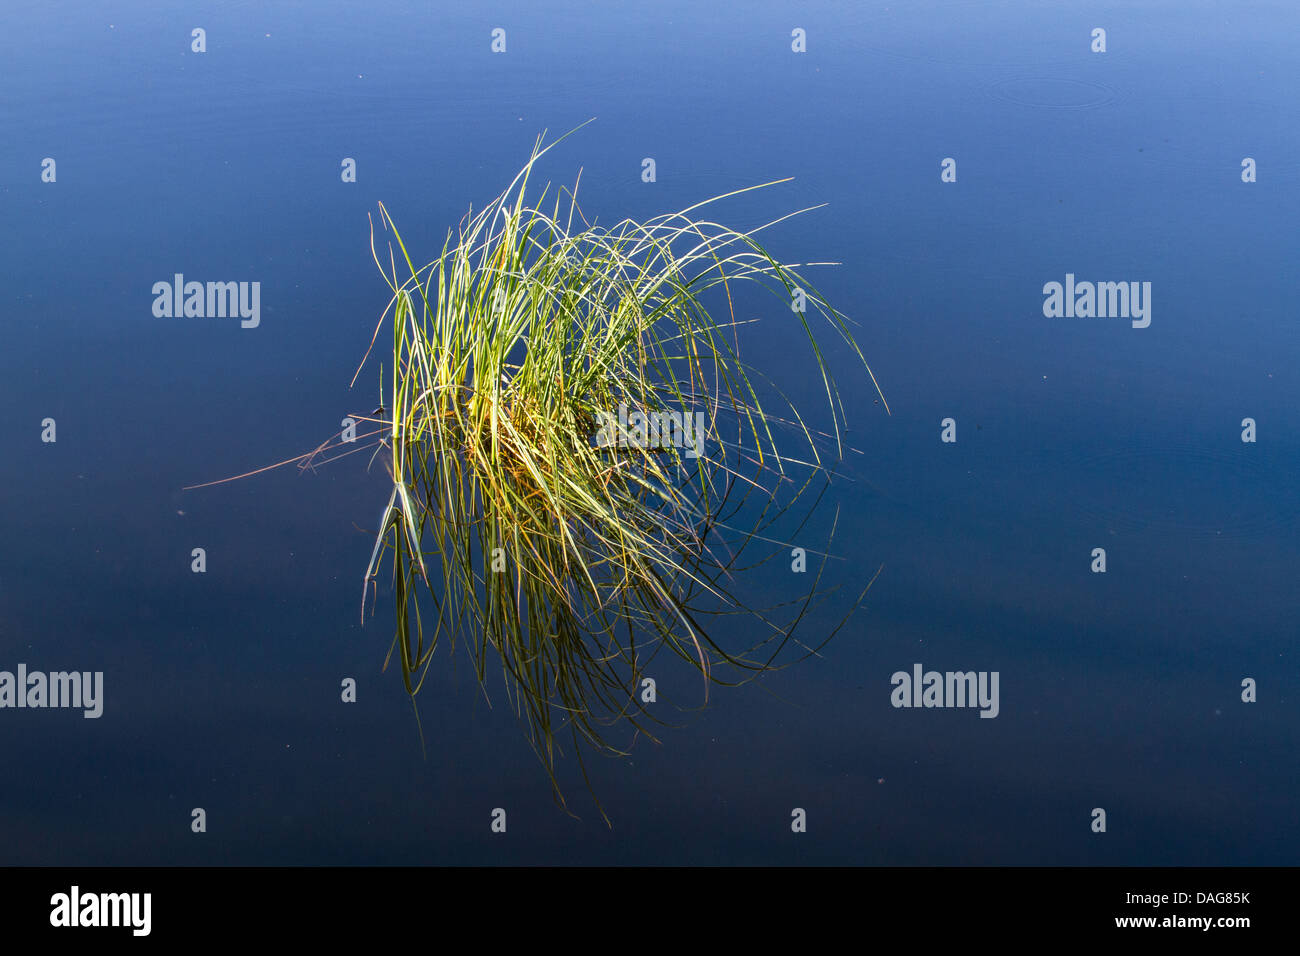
{"x":564,"y":558}
{"x":525,"y":519}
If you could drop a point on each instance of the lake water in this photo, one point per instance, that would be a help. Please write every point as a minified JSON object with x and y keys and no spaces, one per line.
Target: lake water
{"x":1120,"y":690}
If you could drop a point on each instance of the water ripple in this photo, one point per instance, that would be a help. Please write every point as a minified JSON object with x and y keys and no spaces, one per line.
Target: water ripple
{"x":1053,"y":92}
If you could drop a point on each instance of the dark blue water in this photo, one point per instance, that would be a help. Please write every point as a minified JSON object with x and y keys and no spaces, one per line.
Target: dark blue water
{"x":1120,"y":691}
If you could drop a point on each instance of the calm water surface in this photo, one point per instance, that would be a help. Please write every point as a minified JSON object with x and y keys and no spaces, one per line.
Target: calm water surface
{"x":1118,"y":690}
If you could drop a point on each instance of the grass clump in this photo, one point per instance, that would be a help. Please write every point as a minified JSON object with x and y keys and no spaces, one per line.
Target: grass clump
{"x":526,"y":519}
